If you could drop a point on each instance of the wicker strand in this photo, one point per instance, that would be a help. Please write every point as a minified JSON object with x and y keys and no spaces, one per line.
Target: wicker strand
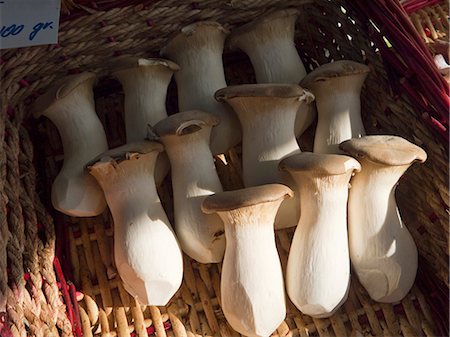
{"x":16,"y":242}
{"x":15,"y":312}
{"x":46,"y":256}
{"x":31,"y":262}
{"x":4,"y":232}
{"x":48,"y":312}
{"x":90,"y":39}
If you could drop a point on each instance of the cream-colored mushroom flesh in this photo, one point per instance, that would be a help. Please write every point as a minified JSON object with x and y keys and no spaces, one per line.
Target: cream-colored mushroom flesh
{"x":145,"y":83}
{"x":318,"y":269}
{"x":267,"y":113}
{"x":69,"y":104}
{"x":337,"y":88}
{"x":269,"y":43}
{"x":198,"y":50}
{"x":252,"y":291}
{"x":146,"y":251}
{"x":382,"y":251}
{"x":185,"y":136}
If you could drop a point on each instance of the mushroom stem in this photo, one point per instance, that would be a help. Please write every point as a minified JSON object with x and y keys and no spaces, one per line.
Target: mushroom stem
{"x":145,"y":83}
{"x":380,"y":269}
{"x":337,"y":88}
{"x":252,"y":291}
{"x":142,"y":232}
{"x":382,"y":250}
{"x":185,"y":136}
{"x":198,"y":50}
{"x":318,"y":268}
{"x":70,"y":106}
{"x":267,"y":113}
{"x":269,"y":43}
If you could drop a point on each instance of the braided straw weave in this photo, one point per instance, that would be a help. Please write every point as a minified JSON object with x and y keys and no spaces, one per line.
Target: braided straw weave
{"x":31,"y":303}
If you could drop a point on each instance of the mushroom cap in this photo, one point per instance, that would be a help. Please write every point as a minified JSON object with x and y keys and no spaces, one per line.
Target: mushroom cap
{"x":185,"y":122}
{"x":319,"y":163}
{"x":180,"y":35}
{"x":59,"y":90}
{"x":264,"y":90}
{"x":132,"y":62}
{"x":260,"y":21}
{"x":335,"y":69}
{"x":387,"y":150}
{"x":189,"y":29}
{"x":230,"y":200}
{"x":121,"y":153}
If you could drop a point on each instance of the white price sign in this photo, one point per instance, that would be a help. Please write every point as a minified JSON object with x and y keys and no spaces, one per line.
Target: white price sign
{"x":28,"y":22}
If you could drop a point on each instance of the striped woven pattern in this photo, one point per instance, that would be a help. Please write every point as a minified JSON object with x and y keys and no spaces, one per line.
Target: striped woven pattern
{"x":36,"y":301}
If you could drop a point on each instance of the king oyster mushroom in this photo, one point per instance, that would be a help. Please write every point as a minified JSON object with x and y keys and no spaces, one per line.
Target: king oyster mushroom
{"x":382,"y":250}
{"x":337,"y":88}
{"x":185,"y":136}
{"x":198,"y":49}
{"x":146,"y":251}
{"x":318,"y":269}
{"x":252,"y":289}
{"x":267,"y":113}
{"x":70,"y":105}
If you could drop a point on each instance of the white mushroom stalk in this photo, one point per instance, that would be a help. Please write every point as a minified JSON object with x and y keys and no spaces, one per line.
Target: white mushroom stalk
{"x":382,"y":250}
{"x":145,"y":83}
{"x":146,"y":252}
{"x":267,"y":113}
{"x":69,"y":104}
{"x":198,"y":50}
{"x":337,"y":88}
{"x":318,"y":269}
{"x":185,"y":136}
{"x":269,"y":43}
{"x":252,"y":290}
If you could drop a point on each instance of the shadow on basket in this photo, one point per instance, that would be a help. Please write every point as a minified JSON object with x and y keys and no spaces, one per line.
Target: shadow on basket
{"x":201,"y":157}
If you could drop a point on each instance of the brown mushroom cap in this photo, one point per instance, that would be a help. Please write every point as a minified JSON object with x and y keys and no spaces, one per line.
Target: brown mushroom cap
{"x":230,"y":200}
{"x":387,"y":150}
{"x":320,"y":164}
{"x":136,"y":62}
{"x":259,"y":21}
{"x":120,"y":153}
{"x":263,"y":90}
{"x":189,"y":29}
{"x":179,"y":123}
{"x":335,"y":69}
{"x":179,"y":36}
{"x":59,"y":90}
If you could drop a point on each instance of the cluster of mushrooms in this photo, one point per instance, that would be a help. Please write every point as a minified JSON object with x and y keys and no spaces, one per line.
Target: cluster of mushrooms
{"x":284,"y":187}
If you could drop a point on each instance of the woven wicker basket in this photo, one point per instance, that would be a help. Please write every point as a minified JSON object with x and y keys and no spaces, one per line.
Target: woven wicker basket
{"x":432,"y":19}
{"x":31,"y":232}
